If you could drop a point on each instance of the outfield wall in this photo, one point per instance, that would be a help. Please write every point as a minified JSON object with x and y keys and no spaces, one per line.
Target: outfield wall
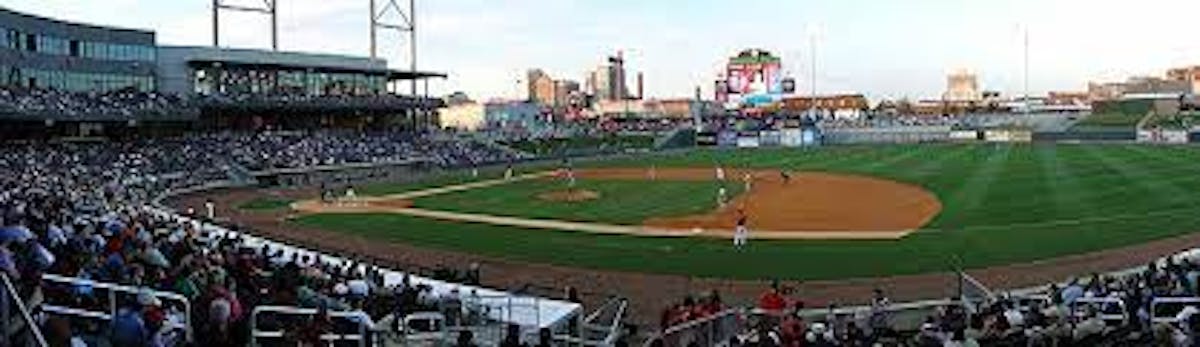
{"x":912,"y":134}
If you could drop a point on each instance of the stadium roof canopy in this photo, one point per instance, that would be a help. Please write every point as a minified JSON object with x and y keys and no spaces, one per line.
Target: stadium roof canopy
{"x":209,"y":56}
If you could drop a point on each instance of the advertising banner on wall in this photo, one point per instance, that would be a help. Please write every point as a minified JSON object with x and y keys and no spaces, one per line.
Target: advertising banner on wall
{"x":791,"y":137}
{"x":727,"y":138}
{"x":1162,"y":136}
{"x":769,"y":138}
{"x":964,"y":135}
{"x":810,"y":137}
{"x":706,"y":138}
{"x":748,"y":142}
{"x":1008,"y":135}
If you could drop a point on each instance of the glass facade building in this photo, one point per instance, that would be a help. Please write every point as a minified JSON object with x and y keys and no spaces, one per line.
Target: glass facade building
{"x":227,"y":79}
{"x":226,"y":71}
{"x":45,"y":53}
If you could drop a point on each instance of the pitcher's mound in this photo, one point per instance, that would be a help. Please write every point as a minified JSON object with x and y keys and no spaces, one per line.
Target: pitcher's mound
{"x":569,"y":195}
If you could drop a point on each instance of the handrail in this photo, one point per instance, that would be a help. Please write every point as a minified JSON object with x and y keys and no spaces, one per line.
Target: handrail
{"x":361,"y":337}
{"x":1122,"y":316}
{"x":1174,"y":300}
{"x":614,"y":331}
{"x":692,"y":324}
{"x":29,"y":322}
{"x":595,"y":314}
{"x":112,"y":290}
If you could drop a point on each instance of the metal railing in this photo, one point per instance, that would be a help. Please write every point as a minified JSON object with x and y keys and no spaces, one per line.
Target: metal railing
{"x":1109,"y":309}
{"x":113,"y":291}
{"x":361,"y":337}
{"x":603,"y":327}
{"x":1157,"y":311}
{"x":708,"y":331}
{"x":9,"y":297}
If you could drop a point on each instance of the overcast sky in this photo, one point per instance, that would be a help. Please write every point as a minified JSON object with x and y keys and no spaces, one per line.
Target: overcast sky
{"x":884,"y":48}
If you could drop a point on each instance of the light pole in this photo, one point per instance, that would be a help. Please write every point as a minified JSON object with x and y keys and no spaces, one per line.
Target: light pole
{"x":1028,"y":103}
{"x":812,"y":43}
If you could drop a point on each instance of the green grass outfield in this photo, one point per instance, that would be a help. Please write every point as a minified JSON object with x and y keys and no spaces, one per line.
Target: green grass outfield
{"x":1002,"y":204}
{"x":265,"y":204}
{"x":620,"y":202}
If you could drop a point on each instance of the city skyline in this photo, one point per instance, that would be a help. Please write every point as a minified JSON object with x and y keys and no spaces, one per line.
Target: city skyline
{"x":881,"y":49}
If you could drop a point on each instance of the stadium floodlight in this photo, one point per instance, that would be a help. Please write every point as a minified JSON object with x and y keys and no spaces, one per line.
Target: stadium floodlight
{"x":392,"y":16}
{"x":268,"y":8}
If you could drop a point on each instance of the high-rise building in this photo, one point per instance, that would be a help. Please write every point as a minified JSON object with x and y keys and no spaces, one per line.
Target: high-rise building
{"x":616,"y":72}
{"x":1187,"y":74}
{"x":607,"y":81}
{"x":564,"y":92}
{"x":641,"y":86}
{"x":541,"y":87}
{"x":962,"y":86}
{"x":599,"y":83}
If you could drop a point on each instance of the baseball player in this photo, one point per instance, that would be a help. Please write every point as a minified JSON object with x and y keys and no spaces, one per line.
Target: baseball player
{"x":653,"y":172}
{"x":740,"y":232}
{"x":785,"y":176}
{"x":570,"y":177}
{"x":474,"y":172}
{"x":210,"y":209}
{"x":351,"y":196}
{"x":508,"y":172}
{"x":747,"y":180}
{"x":720,"y":173}
{"x":721,"y":197}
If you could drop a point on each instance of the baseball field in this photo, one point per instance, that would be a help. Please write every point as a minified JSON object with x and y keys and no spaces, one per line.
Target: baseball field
{"x":958,"y":205}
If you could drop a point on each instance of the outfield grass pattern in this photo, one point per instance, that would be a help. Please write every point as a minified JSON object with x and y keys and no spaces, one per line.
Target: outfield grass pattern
{"x":1002,"y":204}
{"x":620,"y":202}
{"x":265,"y":204}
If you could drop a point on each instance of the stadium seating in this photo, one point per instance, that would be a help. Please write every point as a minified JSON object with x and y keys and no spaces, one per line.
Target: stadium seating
{"x":77,"y":240}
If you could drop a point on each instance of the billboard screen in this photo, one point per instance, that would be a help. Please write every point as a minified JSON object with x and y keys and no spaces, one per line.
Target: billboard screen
{"x":754,"y":77}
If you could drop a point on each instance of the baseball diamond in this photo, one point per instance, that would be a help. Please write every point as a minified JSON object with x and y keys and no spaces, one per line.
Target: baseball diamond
{"x":999,"y":204}
{"x":589,"y":173}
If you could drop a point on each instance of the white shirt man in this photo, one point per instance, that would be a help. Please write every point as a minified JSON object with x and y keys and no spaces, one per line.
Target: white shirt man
{"x":720,"y":173}
{"x":210,"y":209}
{"x":740,"y":233}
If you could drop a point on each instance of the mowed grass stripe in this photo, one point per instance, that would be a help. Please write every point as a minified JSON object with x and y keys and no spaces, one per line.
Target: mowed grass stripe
{"x":621,"y":201}
{"x":1042,"y":201}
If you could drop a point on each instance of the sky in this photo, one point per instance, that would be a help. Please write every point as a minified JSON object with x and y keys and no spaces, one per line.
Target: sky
{"x":882,"y":48}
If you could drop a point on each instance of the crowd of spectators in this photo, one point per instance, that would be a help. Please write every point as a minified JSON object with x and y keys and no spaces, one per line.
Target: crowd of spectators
{"x":1103,"y":310}
{"x":132,"y":104}
{"x":125,"y":104}
{"x":304,"y":99}
{"x":79,"y":210}
{"x":285,"y":150}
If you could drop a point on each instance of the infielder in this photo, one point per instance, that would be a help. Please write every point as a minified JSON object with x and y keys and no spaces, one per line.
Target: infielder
{"x":508,"y":172}
{"x":720,"y":173}
{"x":785,"y":176}
{"x":351,"y":196}
{"x":210,"y":209}
{"x":721,"y":197}
{"x":740,"y":232}
{"x":747,"y":180}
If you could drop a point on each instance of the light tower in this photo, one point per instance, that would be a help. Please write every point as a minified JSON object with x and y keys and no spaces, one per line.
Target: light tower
{"x":393,"y":16}
{"x":269,"y":8}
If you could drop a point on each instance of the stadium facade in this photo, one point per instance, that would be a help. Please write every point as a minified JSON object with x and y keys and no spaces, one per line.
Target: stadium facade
{"x":190,"y":88}
{"x":38,"y":52}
